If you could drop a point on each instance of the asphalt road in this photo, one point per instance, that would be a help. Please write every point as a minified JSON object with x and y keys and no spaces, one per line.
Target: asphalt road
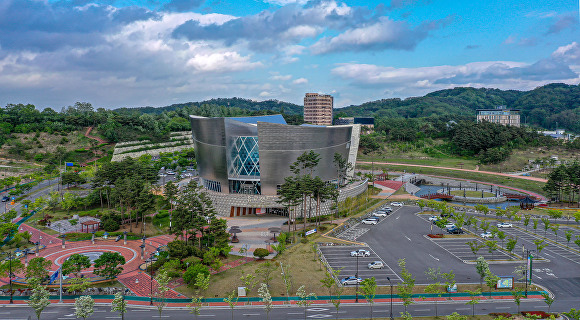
{"x":346,"y":311}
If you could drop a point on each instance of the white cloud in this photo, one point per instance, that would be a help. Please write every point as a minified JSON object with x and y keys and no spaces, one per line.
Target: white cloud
{"x":497,"y":74}
{"x":221,"y":62}
{"x":300,"y":81}
{"x":281,"y":77}
{"x":264,"y":94}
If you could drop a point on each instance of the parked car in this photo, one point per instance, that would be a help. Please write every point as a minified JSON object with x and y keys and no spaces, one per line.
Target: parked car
{"x":454,"y":230}
{"x":375,"y":218}
{"x":504,"y":225}
{"x":447,"y":215}
{"x":387,"y":209}
{"x":396,"y":204}
{"x":369,"y":221}
{"x":170,"y":173}
{"x":376,"y":265}
{"x":350,"y":281}
{"x":450,"y":225}
{"x":360,"y":253}
{"x":5,"y":198}
{"x":379,"y":214}
{"x":433,"y":218}
{"x":486,"y":235}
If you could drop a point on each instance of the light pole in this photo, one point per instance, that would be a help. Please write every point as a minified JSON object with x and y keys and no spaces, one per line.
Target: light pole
{"x":391,"y":285}
{"x":10,"y":257}
{"x":123,"y":304}
{"x":356,"y":278}
{"x":529,"y":258}
{"x":151,"y":274}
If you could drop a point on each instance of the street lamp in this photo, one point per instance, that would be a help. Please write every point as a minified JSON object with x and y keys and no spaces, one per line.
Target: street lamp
{"x":151,"y":274}
{"x":11,"y":256}
{"x":356,"y":278}
{"x":529,"y":258}
{"x":391,"y":285}
{"x":123,"y":304}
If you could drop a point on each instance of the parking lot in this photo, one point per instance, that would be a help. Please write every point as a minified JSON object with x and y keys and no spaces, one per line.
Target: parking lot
{"x":462,"y":251}
{"x":339,"y":257}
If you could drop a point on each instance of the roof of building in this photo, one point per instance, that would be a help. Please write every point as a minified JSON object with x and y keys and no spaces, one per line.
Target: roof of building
{"x":276,"y":118}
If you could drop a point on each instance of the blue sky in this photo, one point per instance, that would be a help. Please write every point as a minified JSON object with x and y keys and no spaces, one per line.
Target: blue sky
{"x":130,"y":53}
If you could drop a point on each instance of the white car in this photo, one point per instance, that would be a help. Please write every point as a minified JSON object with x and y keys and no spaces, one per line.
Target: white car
{"x":369,"y":221}
{"x":387,"y":209}
{"x":376,"y":265}
{"x":486,"y":235}
{"x":396,"y":204}
{"x":379,"y":214}
{"x":504,"y":225}
{"x":350,"y":280}
{"x":360,"y":253}
{"x":170,"y":173}
{"x":450,"y":225}
{"x":433,"y":218}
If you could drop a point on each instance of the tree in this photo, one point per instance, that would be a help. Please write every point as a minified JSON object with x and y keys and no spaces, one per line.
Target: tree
{"x":491,"y":246}
{"x":539,"y":245}
{"x":434,"y":288}
{"x":38,"y":268}
{"x":78,"y":285}
{"x":546,"y":223}
{"x":405,"y":288}
{"x":119,"y":304}
{"x":334,"y":291}
{"x":548,"y":300}
{"x":232,"y":300}
{"x":84,"y":307}
{"x":265,"y":271}
{"x":264,"y":294}
{"x":195,"y":306}
{"x":482,"y":268}
{"x":526,"y":221}
{"x":573,"y":314}
{"x":501,"y":236}
{"x":456,"y":316}
{"x":249,"y":281}
{"x":260,"y":253}
{"x":511,"y":245}
{"x":162,"y":278}
{"x":109,"y":265}
{"x":75,"y":264}
{"x":518,"y":295}
{"x":569,"y":234}
{"x":449,"y":278}
{"x":491,"y":281}
{"x":474,"y":299}
{"x":368,"y":290}
{"x":39,"y":299}
{"x":306,"y":299}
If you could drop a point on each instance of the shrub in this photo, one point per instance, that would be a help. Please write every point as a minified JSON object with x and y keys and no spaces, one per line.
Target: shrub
{"x":110,"y":225}
{"x":190,"y":274}
{"x":303,"y":240}
{"x":541,"y":314}
{"x":501,"y":314}
{"x":261,"y":253}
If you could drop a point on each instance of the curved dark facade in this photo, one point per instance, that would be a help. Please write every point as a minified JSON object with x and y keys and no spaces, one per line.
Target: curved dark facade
{"x":252,"y":155}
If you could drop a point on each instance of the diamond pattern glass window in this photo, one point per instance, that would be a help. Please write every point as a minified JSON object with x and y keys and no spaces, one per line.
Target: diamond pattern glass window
{"x":245,"y":158}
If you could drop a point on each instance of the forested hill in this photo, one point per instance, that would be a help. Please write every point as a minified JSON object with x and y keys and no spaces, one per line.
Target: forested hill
{"x":274,"y":106}
{"x":548,"y":106}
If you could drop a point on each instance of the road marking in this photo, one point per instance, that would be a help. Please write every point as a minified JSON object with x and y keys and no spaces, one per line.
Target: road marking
{"x":422,"y":309}
{"x":502,"y":307}
{"x":434,"y":257}
{"x":463,"y":309}
{"x":206,"y":315}
{"x":295,"y":312}
{"x":408,"y":238}
{"x":250,"y":314}
{"x":397,"y":218}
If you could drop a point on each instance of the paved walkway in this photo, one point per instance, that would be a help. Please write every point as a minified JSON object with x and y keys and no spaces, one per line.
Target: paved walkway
{"x":456,"y":169}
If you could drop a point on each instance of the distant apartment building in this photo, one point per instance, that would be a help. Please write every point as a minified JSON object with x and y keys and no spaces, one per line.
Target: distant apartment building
{"x":318,"y":109}
{"x":501,"y":115}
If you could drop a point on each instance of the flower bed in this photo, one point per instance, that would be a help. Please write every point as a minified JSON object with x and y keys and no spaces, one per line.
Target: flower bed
{"x":541,"y":314}
{"x":438,"y":235}
{"x":501,"y":314}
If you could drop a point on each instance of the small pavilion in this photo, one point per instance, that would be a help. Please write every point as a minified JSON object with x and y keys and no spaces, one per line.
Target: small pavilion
{"x":91,"y":224}
{"x":527,"y":203}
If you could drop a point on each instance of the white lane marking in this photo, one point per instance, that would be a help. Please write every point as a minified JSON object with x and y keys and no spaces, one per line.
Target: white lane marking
{"x":397,"y":218}
{"x":434,"y":257}
{"x":206,"y":315}
{"x":251,"y":314}
{"x":502,"y":307}
{"x":422,"y":309}
{"x":408,"y":238}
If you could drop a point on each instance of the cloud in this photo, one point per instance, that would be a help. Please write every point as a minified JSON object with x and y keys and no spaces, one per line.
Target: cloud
{"x":381,"y":35}
{"x":221,"y":62}
{"x":522,"y":42}
{"x":472,"y":46}
{"x":281,"y":77}
{"x":300,"y":81}
{"x":563,"y":22}
{"x":498,"y":74}
{"x":182,"y":5}
{"x":273,"y":30}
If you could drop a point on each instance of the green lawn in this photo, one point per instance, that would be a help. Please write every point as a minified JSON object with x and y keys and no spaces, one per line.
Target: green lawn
{"x":472,"y":193}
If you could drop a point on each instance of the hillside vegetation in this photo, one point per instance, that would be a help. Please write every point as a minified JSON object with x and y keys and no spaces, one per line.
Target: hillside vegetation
{"x":553,"y":105}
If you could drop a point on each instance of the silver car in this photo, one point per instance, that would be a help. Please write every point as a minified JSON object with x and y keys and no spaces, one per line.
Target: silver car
{"x":376,"y":265}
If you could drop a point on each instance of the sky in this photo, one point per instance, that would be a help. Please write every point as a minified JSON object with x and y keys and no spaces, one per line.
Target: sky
{"x":134,"y":53}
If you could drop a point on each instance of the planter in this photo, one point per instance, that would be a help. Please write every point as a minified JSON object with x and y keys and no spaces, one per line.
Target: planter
{"x":438,"y":235}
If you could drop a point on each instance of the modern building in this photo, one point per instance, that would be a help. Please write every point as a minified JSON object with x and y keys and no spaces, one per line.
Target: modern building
{"x":368,"y":122}
{"x":559,"y":134}
{"x":242,"y":162}
{"x":318,"y":109}
{"x":501,"y":115}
